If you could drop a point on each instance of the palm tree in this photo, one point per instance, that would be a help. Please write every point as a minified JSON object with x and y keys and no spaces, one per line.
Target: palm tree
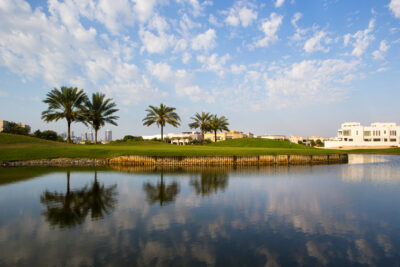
{"x":65,"y":103}
{"x":201,"y":121}
{"x":160,"y":116}
{"x":218,"y":124}
{"x":98,"y":112}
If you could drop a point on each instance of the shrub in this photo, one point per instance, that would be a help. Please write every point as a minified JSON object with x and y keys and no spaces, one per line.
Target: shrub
{"x":16,"y":128}
{"x":48,"y":135}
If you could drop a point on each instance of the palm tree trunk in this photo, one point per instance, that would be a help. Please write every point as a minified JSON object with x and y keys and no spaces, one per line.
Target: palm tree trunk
{"x":68,"y":187}
{"x":69,"y":132}
{"x":162,"y":133}
{"x":95,"y":136}
{"x":202,"y":137}
{"x":215,"y":133}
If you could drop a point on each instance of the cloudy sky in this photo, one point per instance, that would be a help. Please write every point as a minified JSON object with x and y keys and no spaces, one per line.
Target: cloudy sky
{"x":293,"y":67}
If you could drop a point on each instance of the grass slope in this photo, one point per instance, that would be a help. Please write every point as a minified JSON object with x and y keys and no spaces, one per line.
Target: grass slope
{"x":15,"y":147}
{"x":258,"y":142}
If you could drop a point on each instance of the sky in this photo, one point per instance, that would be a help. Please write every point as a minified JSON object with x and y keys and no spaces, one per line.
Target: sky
{"x":291,"y":67}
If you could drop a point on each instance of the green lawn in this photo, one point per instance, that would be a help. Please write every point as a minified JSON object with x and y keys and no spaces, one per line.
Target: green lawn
{"x":15,"y":147}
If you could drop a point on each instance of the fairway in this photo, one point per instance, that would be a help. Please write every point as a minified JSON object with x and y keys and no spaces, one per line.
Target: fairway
{"x":16,"y":147}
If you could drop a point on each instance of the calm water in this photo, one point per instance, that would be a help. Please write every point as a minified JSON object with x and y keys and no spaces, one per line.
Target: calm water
{"x":298,"y":216}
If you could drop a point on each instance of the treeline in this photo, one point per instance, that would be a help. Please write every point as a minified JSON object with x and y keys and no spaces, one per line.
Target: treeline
{"x":18,"y":128}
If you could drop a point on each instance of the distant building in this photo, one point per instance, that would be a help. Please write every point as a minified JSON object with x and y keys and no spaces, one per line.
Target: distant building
{"x":64,"y":135}
{"x":274,"y":137}
{"x":378,"y":134}
{"x":227,"y":135}
{"x":3,"y":124}
{"x":84,"y":137}
{"x":178,"y":139}
{"x":108,"y":135}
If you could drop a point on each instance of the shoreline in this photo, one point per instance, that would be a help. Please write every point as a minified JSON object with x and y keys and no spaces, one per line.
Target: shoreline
{"x":262,"y":160}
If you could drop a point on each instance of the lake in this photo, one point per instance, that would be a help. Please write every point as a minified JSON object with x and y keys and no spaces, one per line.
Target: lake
{"x":325,"y":215}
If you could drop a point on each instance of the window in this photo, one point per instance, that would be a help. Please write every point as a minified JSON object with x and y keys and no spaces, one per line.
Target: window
{"x":393,"y":133}
{"x":385,"y":139}
{"x":367,"y":140}
{"x":351,"y":139}
{"x":384,"y":132}
{"x":346,"y":132}
{"x":392,"y":140}
{"x":367,"y":133}
{"x":377,"y":139}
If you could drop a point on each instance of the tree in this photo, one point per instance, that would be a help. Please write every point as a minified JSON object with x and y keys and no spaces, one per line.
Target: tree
{"x":210,"y":182}
{"x":48,"y":135}
{"x":16,"y":128}
{"x":66,"y":103}
{"x":161,"y":116}
{"x":218,"y":124}
{"x":98,"y":112}
{"x":201,"y":121}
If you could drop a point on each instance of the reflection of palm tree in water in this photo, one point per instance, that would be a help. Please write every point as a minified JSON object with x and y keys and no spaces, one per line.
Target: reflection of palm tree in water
{"x":100,"y":199}
{"x":210,"y":182}
{"x":161,"y":193}
{"x":70,"y":209}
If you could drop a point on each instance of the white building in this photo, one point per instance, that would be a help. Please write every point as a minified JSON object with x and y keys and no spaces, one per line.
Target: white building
{"x":274,"y":137}
{"x":108,"y":136}
{"x":3,"y":125}
{"x":353,"y":134}
{"x":180,"y":139}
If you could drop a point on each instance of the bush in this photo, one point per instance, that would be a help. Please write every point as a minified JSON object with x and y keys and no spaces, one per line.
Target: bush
{"x":48,"y":135}
{"x":16,"y":128}
{"x":132,"y":138}
{"x":319,"y":143}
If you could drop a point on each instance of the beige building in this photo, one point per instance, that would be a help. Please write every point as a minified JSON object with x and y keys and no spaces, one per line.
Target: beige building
{"x":3,"y":124}
{"x":227,"y":135}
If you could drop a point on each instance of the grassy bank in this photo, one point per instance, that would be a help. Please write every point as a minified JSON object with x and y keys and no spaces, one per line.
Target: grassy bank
{"x":14,"y":147}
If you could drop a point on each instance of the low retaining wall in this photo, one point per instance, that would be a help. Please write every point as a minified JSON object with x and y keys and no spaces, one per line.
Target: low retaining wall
{"x":263,"y":160}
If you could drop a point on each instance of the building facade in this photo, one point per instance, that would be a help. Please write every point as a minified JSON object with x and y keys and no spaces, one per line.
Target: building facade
{"x":222,"y":136}
{"x":108,"y":135}
{"x":353,"y":134}
{"x":3,"y":124}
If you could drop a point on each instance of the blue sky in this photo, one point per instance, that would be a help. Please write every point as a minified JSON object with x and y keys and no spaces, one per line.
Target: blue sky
{"x":272,"y":67}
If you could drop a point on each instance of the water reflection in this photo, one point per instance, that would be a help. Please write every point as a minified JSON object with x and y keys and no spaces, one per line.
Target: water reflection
{"x":160,"y":192}
{"x":70,"y":209}
{"x":210,"y":181}
{"x":297,"y":216}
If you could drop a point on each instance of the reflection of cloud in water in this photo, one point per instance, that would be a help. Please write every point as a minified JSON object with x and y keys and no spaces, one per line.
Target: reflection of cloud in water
{"x":302,"y":204}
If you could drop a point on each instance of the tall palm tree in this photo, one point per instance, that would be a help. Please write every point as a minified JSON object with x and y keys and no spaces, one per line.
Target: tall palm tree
{"x":65,"y":103}
{"x":98,"y":112}
{"x":201,"y":121}
{"x":160,"y":116}
{"x":218,"y":124}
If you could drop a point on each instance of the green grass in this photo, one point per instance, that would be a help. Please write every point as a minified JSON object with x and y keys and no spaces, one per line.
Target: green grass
{"x":14,"y":147}
{"x":381,"y":151}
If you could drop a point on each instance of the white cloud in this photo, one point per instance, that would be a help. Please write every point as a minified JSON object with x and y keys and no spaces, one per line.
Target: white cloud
{"x":241,"y":13}
{"x":153,"y":43}
{"x":279,"y":3}
{"x":204,"y":41}
{"x":158,"y":23}
{"x":181,"y":80}
{"x":309,"y":81}
{"x":186,"y":57}
{"x":195,"y":93}
{"x":381,"y":52}
{"x":395,"y":7}
{"x":299,"y":34}
{"x":214,"y":63}
{"x":196,"y":8}
{"x":62,"y":51}
{"x":360,"y":40}
{"x":314,"y":43}
{"x":238,"y":69}
{"x":186,"y":24}
{"x":269,"y":27}
{"x":143,"y":9}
